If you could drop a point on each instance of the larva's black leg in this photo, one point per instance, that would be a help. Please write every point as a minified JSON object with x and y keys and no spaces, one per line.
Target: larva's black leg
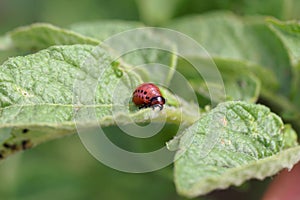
{"x":157,"y":105}
{"x":142,"y":106}
{"x":145,"y":106}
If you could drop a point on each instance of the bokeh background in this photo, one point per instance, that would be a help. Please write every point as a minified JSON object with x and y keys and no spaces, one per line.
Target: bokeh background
{"x":63,"y":169}
{"x":14,"y":13}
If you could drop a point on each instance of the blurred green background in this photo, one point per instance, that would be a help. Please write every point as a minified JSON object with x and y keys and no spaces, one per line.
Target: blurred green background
{"x":63,"y":169}
{"x":14,"y":13}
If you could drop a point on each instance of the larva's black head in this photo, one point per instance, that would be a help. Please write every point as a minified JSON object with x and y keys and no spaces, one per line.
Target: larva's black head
{"x":158,"y":101}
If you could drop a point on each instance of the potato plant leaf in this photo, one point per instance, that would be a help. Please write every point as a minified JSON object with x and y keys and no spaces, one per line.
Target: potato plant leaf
{"x":39,"y":95}
{"x":103,"y":29}
{"x":232,"y":143}
{"x":41,"y":35}
{"x":289,"y":34}
{"x":238,"y":39}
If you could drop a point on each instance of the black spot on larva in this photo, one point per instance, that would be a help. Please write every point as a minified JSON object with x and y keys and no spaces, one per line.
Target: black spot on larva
{"x":142,"y":91}
{"x":145,"y":92}
{"x":1,"y":156}
{"x":26,"y":144}
{"x":147,"y":97}
{"x":138,"y":90}
{"x":25,"y":130}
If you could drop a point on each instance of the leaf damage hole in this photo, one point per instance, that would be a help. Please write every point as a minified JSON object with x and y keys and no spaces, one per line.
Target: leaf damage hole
{"x":24,"y":92}
{"x":25,"y":130}
{"x":12,"y":147}
{"x":6,"y":145}
{"x":26,"y":144}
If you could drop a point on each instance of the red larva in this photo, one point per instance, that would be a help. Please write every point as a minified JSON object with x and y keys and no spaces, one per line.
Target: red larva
{"x":148,"y":95}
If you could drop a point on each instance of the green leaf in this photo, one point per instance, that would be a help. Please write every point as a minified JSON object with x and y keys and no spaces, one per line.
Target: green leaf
{"x":290,"y":136}
{"x":4,"y":55}
{"x":157,"y":12}
{"x":244,"y":39}
{"x":289,"y":34}
{"x":5,"y":43}
{"x":229,"y":66}
{"x":40,"y":95}
{"x":243,"y":87}
{"x":6,"y":48}
{"x":232,"y":143}
{"x":242,"y":81}
{"x":45,"y":35}
{"x":140,"y":51}
{"x":40,"y":36}
{"x":284,"y":106}
{"x":103,"y":29}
